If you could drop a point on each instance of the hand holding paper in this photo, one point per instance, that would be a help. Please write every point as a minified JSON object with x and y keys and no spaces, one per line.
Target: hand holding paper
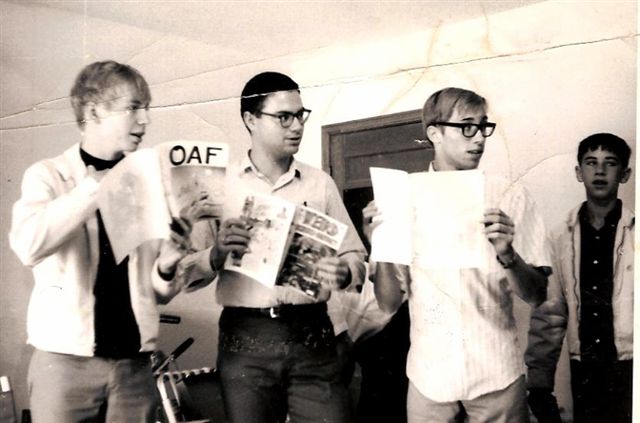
{"x":174,"y":249}
{"x":499,"y":229}
{"x":371,"y":219}
{"x":233,"y":238}
{"x":332,"y":272}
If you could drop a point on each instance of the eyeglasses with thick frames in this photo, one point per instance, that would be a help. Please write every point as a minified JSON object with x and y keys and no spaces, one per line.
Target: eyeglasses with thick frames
{"x":286,"y":118}
{"x":470,"y":130}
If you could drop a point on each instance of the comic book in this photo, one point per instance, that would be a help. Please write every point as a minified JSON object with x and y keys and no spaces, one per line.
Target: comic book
{"x":139,"y":197}
{"x":286,"y":243}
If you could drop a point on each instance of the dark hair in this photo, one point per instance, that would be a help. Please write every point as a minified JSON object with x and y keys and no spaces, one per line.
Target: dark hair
{"x":260,"y":86}
{"x":440,"y":105}
{"x":97,"y":81}
{"x":607,"y":142}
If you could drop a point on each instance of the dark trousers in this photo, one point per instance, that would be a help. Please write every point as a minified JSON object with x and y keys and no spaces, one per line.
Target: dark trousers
{"x":602,"y":392}
{"x":383,"y":362}
{"x":288,"y":365}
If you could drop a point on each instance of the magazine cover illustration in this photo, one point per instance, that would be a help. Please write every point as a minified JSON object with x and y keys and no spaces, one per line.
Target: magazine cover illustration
{"x":315,"y":236}
{"x":269,"y":219}
{"x":138,"y":197}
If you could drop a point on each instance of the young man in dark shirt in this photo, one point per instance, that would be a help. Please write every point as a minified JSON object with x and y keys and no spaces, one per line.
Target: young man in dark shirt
{"x":590,"y":296}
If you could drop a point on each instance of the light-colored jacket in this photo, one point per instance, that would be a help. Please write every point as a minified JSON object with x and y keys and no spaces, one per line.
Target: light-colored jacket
{"x":54,"y":231}
{"x":560,"y":313}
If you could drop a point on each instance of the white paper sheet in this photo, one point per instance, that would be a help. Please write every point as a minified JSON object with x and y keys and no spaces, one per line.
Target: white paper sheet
{"x":132,"y":203}
{"x":178,"y":178}
{"x":430,"y":219}
{"x":448,"y":208}
{"x":391,"y":240}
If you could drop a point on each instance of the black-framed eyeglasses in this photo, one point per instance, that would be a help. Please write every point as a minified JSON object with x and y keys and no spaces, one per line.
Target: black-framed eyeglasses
{"x":470,"y":130}
{"x":286,"y":118}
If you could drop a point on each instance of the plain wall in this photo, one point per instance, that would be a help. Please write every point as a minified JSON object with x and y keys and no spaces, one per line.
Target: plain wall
{"x":553,"y":72}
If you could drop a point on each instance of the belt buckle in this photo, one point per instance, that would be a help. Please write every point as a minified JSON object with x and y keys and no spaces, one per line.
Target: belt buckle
{"x":274,"y":312}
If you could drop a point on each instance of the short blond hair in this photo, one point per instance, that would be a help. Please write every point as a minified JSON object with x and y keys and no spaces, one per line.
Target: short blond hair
{"x":97,"y":81}
{"x":440,"y":105}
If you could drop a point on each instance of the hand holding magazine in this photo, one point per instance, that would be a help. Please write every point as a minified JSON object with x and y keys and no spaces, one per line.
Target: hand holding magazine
{"x":138,"y":198}
{"x":286,"y":243}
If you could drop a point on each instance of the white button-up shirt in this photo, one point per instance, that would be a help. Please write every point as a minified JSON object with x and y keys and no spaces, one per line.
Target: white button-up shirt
{"x":463,"y":331}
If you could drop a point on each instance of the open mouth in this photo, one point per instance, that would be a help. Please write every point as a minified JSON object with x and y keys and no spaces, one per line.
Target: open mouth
{"x":138,"y":136}
{"x":599,"y":183}
{"x":476,"y":152}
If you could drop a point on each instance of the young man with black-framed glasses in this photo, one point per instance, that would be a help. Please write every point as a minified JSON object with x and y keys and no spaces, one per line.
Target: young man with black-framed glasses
{"x":464,"y":358}
{"x":277,"y":351}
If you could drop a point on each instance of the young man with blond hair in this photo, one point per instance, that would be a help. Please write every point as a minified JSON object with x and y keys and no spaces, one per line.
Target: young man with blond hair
{"x":93,"y":322}
{"x":464,"y":357}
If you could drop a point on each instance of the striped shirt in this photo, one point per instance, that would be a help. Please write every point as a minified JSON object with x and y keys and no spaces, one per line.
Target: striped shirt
{"x":463,"y":330}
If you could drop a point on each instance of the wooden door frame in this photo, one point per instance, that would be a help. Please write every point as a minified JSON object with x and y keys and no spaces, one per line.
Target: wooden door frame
{"x":329,"y":132}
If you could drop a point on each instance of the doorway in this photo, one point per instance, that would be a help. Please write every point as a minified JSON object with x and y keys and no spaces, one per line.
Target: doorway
{"x":350,"y":148}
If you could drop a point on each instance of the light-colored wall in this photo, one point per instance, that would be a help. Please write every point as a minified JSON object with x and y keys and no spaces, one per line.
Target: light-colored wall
{"x":553,"y":72}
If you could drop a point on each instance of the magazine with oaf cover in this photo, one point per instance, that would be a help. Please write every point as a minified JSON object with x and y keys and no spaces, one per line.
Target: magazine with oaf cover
{"x":286,"y":243}
{"x":139,"y":196}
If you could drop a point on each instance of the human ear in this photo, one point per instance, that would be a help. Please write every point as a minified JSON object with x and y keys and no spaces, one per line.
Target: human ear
{"x":579,"y":174}
{"x":90,"y":112}
{"x":626,"y":174}
{"x":433,"y":134}
{"x":249,"y":120}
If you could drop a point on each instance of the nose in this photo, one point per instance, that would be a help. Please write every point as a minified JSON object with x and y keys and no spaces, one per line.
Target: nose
{"x":600,"y":169}
{"x":478,"y":138}
{"x":296,"y":125}
{"x":142,"y":116}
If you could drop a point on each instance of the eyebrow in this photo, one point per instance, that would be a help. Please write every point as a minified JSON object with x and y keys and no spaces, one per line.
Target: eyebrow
{"x":470,"y":118}
{"x":588,"y":157}
{"x":288,"y":112}
{"x":136,"y":103}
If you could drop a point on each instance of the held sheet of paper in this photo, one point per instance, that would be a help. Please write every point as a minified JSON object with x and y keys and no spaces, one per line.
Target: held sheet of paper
{"x":431,"y":219}
{"x":138,"y":197}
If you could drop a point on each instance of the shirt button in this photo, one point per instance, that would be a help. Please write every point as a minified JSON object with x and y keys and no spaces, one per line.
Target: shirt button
{"x":597,"y":236}
{"x":597,"y":340}
{"x":595,"y":262}
{"x":595,"y":314}
{"x":595,"y":288}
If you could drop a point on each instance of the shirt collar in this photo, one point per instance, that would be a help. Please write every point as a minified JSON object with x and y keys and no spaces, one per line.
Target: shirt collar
{"x":98,"y":163}
{"x":246,"y":165}
{"x":611,"y":218}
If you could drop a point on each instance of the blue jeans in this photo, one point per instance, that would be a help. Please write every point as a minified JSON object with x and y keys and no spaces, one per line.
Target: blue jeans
{"x":67,"y":389}
{"x":273,"y":367}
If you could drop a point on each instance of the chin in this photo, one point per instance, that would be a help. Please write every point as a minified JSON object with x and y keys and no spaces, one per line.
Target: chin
{"x":469,"y":166}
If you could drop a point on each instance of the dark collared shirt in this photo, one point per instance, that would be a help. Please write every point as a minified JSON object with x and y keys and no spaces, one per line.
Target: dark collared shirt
{"x":596,"y":286}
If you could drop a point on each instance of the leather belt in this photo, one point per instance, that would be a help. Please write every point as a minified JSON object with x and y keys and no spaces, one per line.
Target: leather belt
{"x":282,"y":311}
